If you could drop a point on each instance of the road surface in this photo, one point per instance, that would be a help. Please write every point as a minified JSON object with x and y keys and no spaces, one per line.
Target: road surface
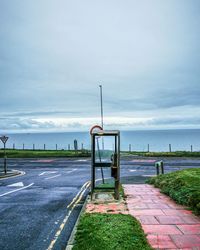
{"x":39,"y":209}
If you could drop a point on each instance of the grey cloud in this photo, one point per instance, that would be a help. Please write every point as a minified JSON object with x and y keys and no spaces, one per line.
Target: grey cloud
{"x":13,"y":124}
{"x":175,"y":121}
{"x":31,"y":125}
{"x":164,"y":99}
{"x":38,"y":114}
{"x":54,"y":54}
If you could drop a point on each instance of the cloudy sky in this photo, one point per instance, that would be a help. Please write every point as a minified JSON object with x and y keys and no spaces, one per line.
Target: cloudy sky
{"x":55,"y":53}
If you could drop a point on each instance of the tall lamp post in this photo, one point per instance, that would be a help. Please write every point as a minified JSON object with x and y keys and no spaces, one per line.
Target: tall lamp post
{"x":4,"y":140}
{"x":101,"y":101}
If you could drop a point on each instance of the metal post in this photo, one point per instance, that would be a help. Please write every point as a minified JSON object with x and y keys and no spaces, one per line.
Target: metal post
{"x":162,"y":167}
{"x":129,"y":147}
{"x":157,"y":168}
{"x":170,"y":148}
{"x":75,"y":145}
{"x":44,"y":147}
{"x":101,"y":100}
{"x":23,"y":146}
{"x":93,"y":165}
{"x":191,"y":148}
{"x":102,"y":175}
{"x":117,"y":181}
{"x":13,"y":145}
{"x":148,"y":148}
{"x":33,"y":146}
{"x":68,"y":146}
{"x":5,"y":167}
{"x":4,"y":140}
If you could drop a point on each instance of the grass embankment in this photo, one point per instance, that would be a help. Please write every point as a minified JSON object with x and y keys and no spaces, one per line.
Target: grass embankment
{"x":163,"y":154}
{"x":19,"y":153}
{"x":30,"y":153}
{"x":182,"y":186}
{"x":109,"y":231}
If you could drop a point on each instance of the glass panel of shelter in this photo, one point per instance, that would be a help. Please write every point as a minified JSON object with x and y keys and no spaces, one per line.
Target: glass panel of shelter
{"x":105,"y":160}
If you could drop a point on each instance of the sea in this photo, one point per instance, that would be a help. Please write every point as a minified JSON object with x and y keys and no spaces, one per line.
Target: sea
{"x":143,"y":140}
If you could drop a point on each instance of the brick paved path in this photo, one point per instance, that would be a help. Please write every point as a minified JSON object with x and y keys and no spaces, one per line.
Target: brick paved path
{"x":167,"y":225}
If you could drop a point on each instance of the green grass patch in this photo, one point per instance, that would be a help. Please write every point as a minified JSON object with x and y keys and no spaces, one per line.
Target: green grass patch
{"x":30,"y":153}
{"x":109,"y":231}
{"x":182,"y":186}
{"x":106,"y":187}
{"x":19,"y":153}
{"x":163,"y":154}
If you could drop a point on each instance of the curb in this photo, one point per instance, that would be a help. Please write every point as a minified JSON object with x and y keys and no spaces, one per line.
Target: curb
{"x":70,"y":242}
{"x":14,"y":173}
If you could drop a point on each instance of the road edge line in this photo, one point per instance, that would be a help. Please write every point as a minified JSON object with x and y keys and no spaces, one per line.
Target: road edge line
{"x":62,"y":225}
{"x":70,"y":242}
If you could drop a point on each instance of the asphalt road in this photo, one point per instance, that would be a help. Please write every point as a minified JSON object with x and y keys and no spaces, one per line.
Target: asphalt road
{"x":39,"y":209}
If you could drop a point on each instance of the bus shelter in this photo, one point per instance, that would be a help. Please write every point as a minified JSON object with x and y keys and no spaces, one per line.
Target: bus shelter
{"x":110,"y":164}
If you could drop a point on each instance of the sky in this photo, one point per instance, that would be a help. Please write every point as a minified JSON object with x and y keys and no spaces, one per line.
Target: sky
{"x":54,"y":54}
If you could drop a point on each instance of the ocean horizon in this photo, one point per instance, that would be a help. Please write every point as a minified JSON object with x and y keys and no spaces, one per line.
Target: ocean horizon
{"x":136,"y":140}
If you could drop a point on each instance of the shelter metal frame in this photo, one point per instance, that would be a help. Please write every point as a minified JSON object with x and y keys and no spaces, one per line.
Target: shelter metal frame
{"x":114,"y":164}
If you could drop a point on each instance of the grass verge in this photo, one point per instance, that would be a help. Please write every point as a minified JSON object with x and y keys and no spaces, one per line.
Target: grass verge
{"x":109,"y":231}
{"x":19,"y":153}
{"x":182,"y":186}
{"x":163,"y":154}
{"x":29,"y":153}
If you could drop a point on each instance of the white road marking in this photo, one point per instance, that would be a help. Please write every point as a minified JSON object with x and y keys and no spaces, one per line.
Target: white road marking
{"x":53,"y":177}
{"x":81,"y":160}
{"x":17,"y":184}
{"x":68,"y":172}
{"x":132,"y":170}
{"x":49,"y":172}
{"x":42,"y":173}
{"x":17,"y":190}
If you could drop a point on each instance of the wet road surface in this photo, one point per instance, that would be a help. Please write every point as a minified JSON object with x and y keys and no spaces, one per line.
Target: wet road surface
{"x":39,"y":209}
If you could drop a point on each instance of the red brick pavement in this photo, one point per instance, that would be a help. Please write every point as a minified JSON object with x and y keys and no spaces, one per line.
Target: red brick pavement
{"x":167,"y":225}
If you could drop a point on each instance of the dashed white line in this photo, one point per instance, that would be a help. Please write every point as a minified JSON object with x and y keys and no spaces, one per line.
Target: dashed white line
{"x":42,"y":173}
{"x":49,"y":172}
{"x":17,"y":190}
{"x":81,"y":160}
{"x":53,"y":177}
{"x":71,"y":171}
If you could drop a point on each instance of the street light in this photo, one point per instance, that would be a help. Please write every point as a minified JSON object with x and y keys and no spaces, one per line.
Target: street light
{"x":4,"y":140}
{"x":101,"y":102}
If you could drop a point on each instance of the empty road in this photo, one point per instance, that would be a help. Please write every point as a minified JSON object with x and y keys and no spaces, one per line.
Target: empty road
{"x":38,"y":209}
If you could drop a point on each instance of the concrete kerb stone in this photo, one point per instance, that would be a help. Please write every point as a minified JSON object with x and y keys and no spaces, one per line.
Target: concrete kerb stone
{"x":11,"y":173}
{"x":73,"y":233}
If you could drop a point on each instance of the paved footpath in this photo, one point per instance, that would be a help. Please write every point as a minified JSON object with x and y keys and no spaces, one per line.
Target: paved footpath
{"x":167,"y":225}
